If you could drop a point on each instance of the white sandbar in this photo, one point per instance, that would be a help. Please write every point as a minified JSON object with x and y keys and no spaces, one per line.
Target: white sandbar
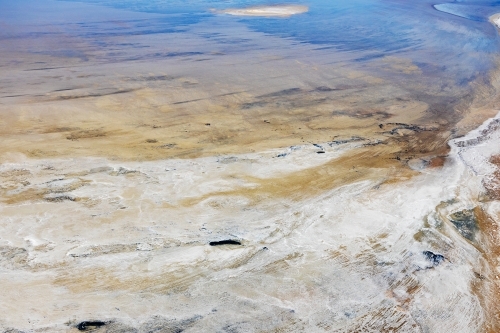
{"x":495,"y":19}
{"x":267,"y":11}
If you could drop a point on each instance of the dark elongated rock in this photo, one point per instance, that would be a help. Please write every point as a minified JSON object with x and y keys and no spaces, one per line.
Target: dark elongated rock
{"x":88,"y":325}
{"x":225,"y":242}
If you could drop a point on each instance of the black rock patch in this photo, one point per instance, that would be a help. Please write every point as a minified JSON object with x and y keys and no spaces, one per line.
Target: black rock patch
{"x":89,"y":325}
{"x":225,"y":242}
{"x":434,"y":258}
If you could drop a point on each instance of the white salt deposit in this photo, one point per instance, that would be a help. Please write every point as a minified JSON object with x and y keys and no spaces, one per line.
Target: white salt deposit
{"x":130,"y":247}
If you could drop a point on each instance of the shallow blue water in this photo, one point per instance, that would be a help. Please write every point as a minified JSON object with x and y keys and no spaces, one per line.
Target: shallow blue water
{"x":454,"y":37}
{"x":452,"y":42}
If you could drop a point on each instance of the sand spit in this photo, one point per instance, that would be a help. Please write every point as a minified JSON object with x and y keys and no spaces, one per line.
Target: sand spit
{"x":267,"y":11}
{"x":206,"y":244}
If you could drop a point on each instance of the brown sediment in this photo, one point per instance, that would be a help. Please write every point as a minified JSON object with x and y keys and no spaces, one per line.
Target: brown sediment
{"x":127,"y":127}
{"x":138,"y":126}
{"x":492,"y":183}
{"x":489,"y":286}
{"x":486,"y":283}
{"x":86,"y":134}
{"x":437,"y":162}
{"x":360,"y":164}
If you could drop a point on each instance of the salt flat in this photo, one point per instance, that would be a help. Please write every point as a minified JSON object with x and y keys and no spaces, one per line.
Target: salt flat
{"x":175,"y":169}
{"x":105,"y":237}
